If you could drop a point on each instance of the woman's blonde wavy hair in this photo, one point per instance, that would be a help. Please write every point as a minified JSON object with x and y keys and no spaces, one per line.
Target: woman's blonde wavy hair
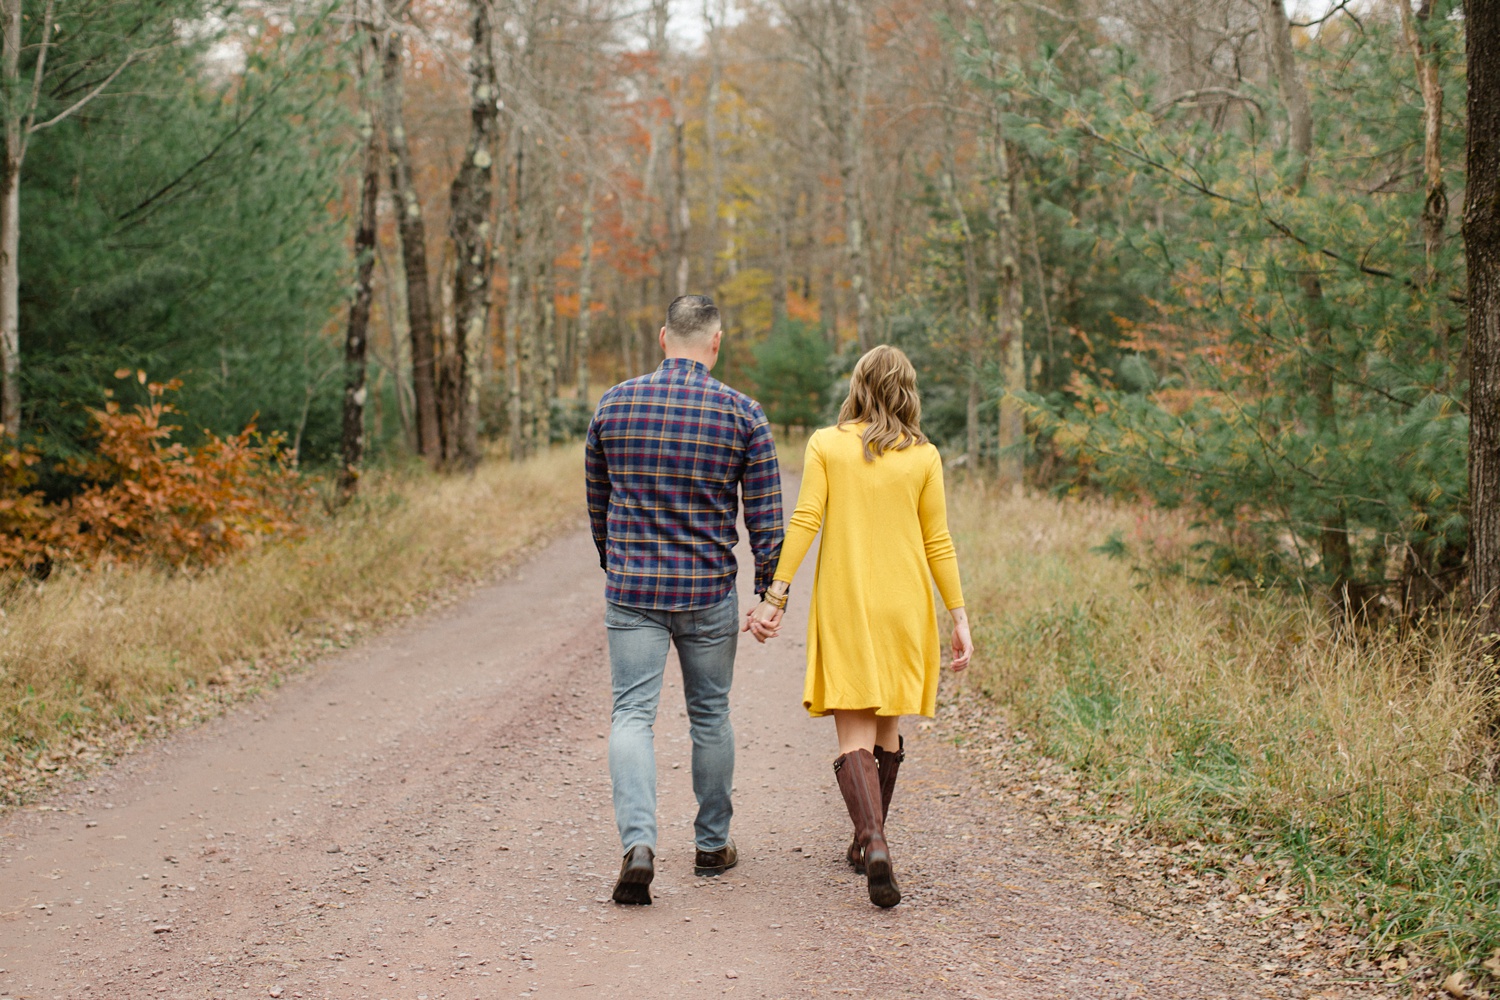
{"x":883,"y":393}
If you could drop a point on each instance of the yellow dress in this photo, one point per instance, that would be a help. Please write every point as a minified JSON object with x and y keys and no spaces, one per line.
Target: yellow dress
{"x":872,"y":636}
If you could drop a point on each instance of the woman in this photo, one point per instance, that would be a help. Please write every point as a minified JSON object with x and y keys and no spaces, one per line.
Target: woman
{"x":874,"y":486}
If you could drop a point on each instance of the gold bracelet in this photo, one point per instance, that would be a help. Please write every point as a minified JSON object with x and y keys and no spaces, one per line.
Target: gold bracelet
{"x":773,"y":600}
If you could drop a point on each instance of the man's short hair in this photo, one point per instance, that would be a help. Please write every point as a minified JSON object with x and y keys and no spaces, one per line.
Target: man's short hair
{"x":692,"y":317}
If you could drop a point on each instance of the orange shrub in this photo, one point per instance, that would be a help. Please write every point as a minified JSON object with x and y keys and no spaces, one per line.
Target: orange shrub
{"x":149,"y":497}
{"x":28,"y":526}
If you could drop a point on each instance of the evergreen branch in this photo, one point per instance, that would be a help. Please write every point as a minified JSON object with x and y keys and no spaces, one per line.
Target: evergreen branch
{"x":62,"y":88}
{"x":1203,"y":188}
{"x":209,"y":156}
{"x":240,"y":125}
{"x":1360,"y":265}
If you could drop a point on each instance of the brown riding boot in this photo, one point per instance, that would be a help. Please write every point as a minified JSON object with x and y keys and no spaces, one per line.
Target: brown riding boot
{"x":859,"y":781}
{"x":890,"y":765}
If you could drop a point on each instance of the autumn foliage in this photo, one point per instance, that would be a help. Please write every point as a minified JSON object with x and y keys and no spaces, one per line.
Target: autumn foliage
{"x":148,"y":497}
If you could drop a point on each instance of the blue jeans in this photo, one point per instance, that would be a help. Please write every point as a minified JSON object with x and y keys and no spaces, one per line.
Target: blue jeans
{"x":706,"y":639}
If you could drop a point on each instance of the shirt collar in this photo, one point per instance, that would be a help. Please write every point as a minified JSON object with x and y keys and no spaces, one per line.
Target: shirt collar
{"x":684,"y":365}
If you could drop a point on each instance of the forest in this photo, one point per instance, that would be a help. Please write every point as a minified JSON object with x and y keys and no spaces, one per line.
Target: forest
{"x":1228,"y":269}
{"x":1212,"y":261}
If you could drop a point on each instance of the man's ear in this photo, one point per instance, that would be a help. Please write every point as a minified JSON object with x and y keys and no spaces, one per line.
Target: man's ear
{"x":718,"y":338}
{"x":661,"y":338}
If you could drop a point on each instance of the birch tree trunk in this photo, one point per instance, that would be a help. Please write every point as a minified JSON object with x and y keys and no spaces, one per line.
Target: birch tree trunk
{"x":515,"y":294}
{"x":675,"y":267}
{"x":1428,"y":62}
{"x":546,"y":384}
{"x":684,"y":213}
{"x":10,"y":222}
{"x":356,"y":337}
{"x":1420,"y":566}
{"x":641,"y":329}
{"x":585,"y":291}
{"x":1481,"y":228}
{"x":834,"y":33}
{"x":851,"y":154}
{"x":472,"y":202}
{"x":1283,"y":60}
{"x":973,"y":323}
{"x":413,"y":234}
{"x":530,"y":351}
{"x":395,"y":319}
{"x":536,"y":241}
{"x":711,"y":149}
{"x":780,"y":262}
{"x":1009,"y":330}
{"x":828,"y":289}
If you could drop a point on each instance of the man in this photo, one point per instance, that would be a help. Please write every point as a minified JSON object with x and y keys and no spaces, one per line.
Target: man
{"x":666,"y":453}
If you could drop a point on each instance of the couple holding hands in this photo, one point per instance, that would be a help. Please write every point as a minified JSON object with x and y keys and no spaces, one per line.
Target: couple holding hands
{"x":666,"y":454}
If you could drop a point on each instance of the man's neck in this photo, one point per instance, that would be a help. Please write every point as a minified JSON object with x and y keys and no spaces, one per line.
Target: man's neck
{"x":703,"y":359}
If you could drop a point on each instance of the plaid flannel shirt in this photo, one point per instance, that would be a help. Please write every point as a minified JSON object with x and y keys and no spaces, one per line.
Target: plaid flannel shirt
{"x":664,"y":457}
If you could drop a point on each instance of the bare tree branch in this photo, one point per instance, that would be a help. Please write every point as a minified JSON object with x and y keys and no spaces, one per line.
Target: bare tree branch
{"x":36,"y":79}
{"x":1228,"y":93}
{"x":1341,"y":7}
{"x":85,"y":99}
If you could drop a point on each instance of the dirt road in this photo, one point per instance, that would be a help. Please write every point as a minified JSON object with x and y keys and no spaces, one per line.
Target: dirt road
{"x":429,"y":816}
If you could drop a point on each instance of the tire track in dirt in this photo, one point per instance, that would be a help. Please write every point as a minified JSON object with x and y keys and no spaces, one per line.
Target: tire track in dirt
{"x":429,"y":816}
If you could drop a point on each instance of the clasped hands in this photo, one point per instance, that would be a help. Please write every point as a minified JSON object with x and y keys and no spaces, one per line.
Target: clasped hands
{"x":763,"y":621}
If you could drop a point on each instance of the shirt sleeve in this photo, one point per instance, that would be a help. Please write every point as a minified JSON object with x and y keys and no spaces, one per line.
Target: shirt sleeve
{"x":596,"y":484}
{"x":812,"y":499}
{"x":760,"y":490}
{"x":942,"y":561}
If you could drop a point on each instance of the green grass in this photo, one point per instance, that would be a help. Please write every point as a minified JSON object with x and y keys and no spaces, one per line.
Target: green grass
{"x":1243,"y":719}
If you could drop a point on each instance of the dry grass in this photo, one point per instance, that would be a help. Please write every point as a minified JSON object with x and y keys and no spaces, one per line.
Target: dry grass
{"x":88,"y":660}
{"x":1244,"y":718}
{"x":791,"y":450}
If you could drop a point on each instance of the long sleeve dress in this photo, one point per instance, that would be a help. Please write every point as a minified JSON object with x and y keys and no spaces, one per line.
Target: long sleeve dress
{"x":872,"y":636}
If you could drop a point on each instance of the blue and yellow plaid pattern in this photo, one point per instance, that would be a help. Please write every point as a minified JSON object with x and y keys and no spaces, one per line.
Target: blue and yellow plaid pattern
{"x":666,"y":454}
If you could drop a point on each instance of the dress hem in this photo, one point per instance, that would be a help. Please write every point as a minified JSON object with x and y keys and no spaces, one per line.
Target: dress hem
{"x":879,"y":713}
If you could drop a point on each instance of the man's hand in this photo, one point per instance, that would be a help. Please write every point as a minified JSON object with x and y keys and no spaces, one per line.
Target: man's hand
{"x":763,"y":621}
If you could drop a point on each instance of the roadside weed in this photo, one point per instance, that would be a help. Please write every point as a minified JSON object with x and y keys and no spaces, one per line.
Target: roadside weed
{"x":1243,"y":718}
{"x":129,"y":649}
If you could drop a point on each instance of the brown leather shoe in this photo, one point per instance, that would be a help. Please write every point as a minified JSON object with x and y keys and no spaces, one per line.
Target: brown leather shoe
{"x":637,"y":869}
{"x":716,"y":862}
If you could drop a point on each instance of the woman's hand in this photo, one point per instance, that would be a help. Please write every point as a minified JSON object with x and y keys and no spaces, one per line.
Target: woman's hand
{"x":763,"y":621}
{"x":963,"y":644}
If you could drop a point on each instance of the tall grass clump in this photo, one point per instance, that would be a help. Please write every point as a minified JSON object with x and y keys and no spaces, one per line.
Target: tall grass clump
{"x":90,"y":650}
{"x":1245,"y":718}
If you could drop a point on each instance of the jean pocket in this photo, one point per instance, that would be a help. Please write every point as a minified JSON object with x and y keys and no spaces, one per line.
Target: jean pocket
{"x":616,"y":616}
{"x":723,"y":619}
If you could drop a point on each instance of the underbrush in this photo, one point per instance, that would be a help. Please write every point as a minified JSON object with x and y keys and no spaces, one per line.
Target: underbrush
{"x":145,"y":496}
{"x":89,"y":658}
{"x":1244,"y":719}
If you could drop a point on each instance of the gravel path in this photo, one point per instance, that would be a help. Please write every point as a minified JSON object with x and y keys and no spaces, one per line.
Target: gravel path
{"x":429,"y":816}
